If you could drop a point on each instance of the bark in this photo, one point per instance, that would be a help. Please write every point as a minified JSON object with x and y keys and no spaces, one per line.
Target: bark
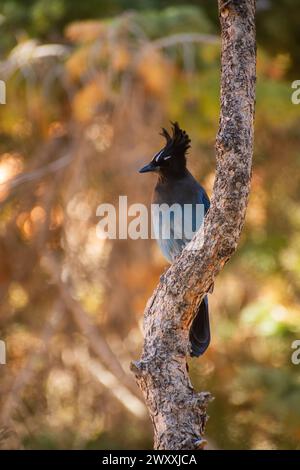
{"x":178,"y":413}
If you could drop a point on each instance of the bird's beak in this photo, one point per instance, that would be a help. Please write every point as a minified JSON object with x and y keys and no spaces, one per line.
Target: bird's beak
{"x":149,"y":167}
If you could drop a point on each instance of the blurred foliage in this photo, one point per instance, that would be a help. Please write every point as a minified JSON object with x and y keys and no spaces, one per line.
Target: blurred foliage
{"x":277,"y":20}
{"x":86,"y":100}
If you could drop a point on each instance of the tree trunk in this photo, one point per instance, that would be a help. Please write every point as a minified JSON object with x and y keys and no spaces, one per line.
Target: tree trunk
{"x":177,"y":412}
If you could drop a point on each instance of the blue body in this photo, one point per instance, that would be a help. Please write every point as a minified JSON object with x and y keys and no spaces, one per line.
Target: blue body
{"x":183,"y":191}
{"x":176,"y":186}
{"x":199,"y":204}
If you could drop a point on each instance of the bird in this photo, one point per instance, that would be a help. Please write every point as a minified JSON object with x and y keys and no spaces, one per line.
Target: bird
{"x":176,"y":185}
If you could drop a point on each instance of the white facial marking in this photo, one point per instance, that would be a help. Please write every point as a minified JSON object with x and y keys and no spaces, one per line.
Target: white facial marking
{"x":167,"y":158}
{"x":158,"y":155}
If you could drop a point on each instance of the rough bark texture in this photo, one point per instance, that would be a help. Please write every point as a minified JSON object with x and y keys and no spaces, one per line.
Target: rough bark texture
{"x":177,"y":412}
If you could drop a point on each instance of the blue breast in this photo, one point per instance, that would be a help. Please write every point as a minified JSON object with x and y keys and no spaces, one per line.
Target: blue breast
{"x":174,"y":229}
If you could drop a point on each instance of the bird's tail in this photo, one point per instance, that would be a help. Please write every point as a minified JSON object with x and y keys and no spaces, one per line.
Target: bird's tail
{"x":200,"y":330}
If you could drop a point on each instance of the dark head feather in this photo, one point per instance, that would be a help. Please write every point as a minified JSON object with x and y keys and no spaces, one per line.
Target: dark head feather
{"x":170,"y":161}
{"x":166,"y":135}
{"x":179,"y":143}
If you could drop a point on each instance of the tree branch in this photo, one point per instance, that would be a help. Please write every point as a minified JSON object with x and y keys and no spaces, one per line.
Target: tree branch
{"x":177,"y":412}
{"x":183,"y":38}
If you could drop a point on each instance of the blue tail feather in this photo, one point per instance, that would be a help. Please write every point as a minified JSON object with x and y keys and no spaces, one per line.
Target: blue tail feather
{"x":200,"y":330}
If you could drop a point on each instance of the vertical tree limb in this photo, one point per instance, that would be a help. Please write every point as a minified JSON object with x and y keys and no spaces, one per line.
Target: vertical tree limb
{"x":177,"y":412}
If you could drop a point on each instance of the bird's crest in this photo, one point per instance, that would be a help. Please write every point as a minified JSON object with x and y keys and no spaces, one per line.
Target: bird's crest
{"x":179,"y":142}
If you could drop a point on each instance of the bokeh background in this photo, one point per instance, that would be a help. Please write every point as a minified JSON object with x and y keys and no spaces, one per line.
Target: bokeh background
{"x":89,"y":84}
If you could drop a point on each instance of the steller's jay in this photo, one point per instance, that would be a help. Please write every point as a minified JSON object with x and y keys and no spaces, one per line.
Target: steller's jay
{"x":176,"y":185}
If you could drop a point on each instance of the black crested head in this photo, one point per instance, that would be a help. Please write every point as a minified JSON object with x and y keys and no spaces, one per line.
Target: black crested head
{"x":171,"y":159}
{"x":177,"y":144}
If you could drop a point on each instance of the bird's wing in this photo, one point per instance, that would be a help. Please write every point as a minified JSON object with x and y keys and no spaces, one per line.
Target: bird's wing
{"x":202,"y":198}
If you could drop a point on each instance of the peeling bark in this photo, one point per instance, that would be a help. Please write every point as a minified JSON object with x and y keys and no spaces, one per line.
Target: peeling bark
{"x":177,"y":412}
